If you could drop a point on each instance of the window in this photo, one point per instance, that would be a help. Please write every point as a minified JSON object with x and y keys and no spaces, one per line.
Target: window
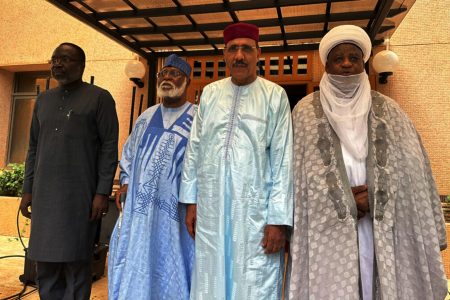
{"x":274,"y":65}
{"x":221,"y":69}
{"x":197,"y":69}
{"x":302,"y":66}
{"x":209,"y":72}
{"x":262,"y":66}
{"x":287,"y":65}
{"x":27,"y":86}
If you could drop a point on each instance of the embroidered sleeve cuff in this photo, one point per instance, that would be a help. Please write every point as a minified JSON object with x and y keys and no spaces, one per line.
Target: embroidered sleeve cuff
{"x":188,"y":193}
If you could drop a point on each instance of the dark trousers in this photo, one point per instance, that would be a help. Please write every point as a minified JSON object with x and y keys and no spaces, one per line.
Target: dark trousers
{"x":64,"y":281}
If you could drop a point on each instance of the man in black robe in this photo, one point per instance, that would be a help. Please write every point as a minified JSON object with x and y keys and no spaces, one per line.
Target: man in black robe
{"x":70,"y":167}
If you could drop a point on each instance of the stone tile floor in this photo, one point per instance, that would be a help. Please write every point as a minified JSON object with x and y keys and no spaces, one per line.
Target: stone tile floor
{"x":12,"y":268}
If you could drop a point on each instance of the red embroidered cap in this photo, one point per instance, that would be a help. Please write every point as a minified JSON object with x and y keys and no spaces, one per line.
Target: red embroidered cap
{"x":240,"y":30}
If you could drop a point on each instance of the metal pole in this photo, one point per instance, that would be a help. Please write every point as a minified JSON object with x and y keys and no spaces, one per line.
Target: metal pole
{"x":151,"y":61}
{"x":132,"y":109}
{"x":140,"y":104}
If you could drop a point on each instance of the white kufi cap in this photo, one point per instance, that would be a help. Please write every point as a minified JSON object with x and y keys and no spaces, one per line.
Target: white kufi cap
{"x":345,"y":34}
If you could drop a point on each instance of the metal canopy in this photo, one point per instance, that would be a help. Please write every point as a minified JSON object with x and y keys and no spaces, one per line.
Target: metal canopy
{"x":155,"y":28}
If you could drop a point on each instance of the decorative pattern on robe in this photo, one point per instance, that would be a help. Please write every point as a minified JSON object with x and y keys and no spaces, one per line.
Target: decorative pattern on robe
{"x":151,"y":254}
{"x":408,"y":225}
{"x":238,"y":169}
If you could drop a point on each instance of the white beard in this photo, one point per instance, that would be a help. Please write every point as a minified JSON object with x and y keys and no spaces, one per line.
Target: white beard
{"x":174,"y":92}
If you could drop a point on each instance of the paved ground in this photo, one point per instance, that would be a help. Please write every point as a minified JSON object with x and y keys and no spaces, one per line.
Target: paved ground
{"x":12,"y":268}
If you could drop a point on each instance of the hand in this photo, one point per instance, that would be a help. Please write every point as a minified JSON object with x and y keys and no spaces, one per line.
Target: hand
{"x":191,"y":219}
{"x":25,"y":205}
{"x":123,"y":189}
{"x":99,"y":207}
{"x":361,"y":196}
{"x":274,"y":238}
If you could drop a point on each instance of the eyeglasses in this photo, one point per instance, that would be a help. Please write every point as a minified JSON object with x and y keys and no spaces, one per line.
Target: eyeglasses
{"x":247,"y":49}
{"x":170,"y":72}
{"x":61,"y":59}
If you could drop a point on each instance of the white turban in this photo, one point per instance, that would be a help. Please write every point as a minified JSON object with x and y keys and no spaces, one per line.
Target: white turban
{"x":345,"y":34}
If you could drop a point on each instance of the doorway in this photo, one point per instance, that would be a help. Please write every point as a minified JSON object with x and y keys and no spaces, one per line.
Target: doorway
{"x":295,"y":93}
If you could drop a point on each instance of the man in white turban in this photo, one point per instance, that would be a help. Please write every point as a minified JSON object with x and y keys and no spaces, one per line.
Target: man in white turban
{"x":368,"y":222}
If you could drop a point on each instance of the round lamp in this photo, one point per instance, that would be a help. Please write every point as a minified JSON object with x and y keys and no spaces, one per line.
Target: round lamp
{"x":135,"y":70}
{"x":384,"y":63}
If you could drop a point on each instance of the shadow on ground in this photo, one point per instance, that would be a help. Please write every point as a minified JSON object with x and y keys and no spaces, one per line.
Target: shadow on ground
{"x":12,"y":267}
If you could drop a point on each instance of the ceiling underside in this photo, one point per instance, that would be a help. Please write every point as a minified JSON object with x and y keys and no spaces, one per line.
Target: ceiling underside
{"x":155,"y":28}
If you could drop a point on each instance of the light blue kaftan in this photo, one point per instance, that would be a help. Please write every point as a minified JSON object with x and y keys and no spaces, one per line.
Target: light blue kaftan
{"x":238,"y":170}
{"x":151,"y":253}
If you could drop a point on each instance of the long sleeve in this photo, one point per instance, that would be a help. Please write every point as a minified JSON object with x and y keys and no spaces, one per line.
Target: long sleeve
{"x":435,"y":200}
{"x":32,"y":148}
{"x":108,"y":130}
{"x":188,"y":187}
{"x":280,"y":209}
{"x":126,"y":161}
{"x":130,"y":148}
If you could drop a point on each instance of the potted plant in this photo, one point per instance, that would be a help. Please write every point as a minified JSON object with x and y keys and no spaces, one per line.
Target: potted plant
{"x":11,"y":181}
{"x":445,"y":201}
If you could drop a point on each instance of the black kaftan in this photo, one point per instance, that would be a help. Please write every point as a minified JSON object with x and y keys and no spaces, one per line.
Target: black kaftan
{"x":72,"y":156}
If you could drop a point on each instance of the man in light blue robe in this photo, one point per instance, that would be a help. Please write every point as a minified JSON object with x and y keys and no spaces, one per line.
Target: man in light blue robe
{"x":151,"y":254}
{"x":237,"y":178}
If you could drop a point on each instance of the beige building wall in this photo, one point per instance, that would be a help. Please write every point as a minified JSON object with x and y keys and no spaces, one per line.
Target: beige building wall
{"x":421,"y":84}
{"x":30,"y":31}
{"x":6,"y":88}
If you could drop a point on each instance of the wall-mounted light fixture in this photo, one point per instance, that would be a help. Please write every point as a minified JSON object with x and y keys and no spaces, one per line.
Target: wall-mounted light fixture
{"x":135,"y":70}
{"x":385,"y":62}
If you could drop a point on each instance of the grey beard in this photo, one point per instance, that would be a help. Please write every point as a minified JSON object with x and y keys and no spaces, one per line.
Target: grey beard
{"x":175,"y":92}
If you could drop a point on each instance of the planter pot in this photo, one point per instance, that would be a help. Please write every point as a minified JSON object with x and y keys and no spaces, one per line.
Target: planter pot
{"x":8,"y":216}
{"x":446,"y":211}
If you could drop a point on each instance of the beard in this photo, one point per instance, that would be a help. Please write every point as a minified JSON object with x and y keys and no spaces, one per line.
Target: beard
{"x":174,"y":92}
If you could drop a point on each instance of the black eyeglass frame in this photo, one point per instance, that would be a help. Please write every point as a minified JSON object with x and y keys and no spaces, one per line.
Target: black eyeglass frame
{"x":62,"y":59}
{"x":247,"y":49}
{"x":171,"y":72}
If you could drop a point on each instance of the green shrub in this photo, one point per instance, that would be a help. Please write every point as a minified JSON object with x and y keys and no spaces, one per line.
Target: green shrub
{"x":11,"y":180}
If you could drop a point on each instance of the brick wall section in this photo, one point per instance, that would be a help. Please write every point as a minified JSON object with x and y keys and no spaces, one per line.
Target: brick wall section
{"x":317,"y":68}
{"x":446,"y":253}
{"x":421,"y":85}
{"x":6,"y":88}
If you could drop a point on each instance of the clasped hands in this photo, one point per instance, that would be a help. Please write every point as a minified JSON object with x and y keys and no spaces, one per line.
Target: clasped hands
{"x":361,"y":196}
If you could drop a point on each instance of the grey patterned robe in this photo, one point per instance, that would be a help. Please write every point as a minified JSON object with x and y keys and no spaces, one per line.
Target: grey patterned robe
{"x":408,"y":225}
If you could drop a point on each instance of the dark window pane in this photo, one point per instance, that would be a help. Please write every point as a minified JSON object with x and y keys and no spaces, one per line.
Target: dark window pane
{"x":302,"y":67}
{"x":274,"y":65}
{"x":262,"y":67}
{"x":287,"y":67}
{"x":209,"y":69}
{"x":197,"y":69}
{"x":26,"y":81}
{"x":20,"y":129}
{"x":221,"y":69}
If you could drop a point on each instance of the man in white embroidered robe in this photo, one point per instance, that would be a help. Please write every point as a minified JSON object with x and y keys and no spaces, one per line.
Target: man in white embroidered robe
{"x":368,"y":222}
{"x":151,"y":253}
{"x":237,"y":176}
